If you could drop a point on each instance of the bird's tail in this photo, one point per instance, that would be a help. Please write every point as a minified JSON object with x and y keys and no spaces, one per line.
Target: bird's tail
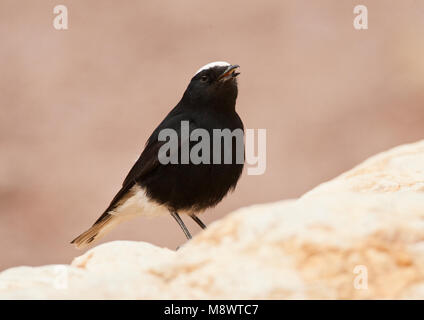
{"x":97,"y":231}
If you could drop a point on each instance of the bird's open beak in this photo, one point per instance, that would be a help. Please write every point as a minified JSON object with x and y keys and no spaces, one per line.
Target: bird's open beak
{"x":229,"y":73}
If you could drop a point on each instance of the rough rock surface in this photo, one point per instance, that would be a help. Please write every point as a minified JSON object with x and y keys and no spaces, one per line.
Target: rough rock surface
{"x":360,"y":235}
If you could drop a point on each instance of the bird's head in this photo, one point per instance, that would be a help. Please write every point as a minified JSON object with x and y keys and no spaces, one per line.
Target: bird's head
{"x":214,"y":85}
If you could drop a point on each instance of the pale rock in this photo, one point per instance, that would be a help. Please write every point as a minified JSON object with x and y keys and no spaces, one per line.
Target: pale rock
{"x":365,"y":227}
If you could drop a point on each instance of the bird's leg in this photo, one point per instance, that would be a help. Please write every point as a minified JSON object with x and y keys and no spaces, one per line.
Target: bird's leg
{"x":198,"y":221}
{"x":181,"y":224}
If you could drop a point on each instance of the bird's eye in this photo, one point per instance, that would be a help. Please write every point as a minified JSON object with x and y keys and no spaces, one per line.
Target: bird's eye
{"x":204,"y":79}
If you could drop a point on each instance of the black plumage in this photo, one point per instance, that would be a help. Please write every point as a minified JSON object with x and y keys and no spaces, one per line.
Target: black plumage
{"x":208,"y":103}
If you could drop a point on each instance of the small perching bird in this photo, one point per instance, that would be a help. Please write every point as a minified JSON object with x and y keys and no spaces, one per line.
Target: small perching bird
{"x":152,"y":187}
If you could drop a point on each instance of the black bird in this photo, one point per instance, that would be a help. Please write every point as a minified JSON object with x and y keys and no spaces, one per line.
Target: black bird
{"x":153,"y":188}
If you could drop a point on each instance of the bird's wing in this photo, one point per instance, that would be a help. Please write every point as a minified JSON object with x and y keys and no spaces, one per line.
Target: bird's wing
{"x":148,"y":160}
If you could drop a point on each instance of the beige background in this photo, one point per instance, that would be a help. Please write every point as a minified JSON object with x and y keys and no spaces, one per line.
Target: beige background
{"x":77,"y":106}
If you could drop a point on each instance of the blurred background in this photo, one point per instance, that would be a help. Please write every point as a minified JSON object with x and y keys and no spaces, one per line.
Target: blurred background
{"x":78,"y":105}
